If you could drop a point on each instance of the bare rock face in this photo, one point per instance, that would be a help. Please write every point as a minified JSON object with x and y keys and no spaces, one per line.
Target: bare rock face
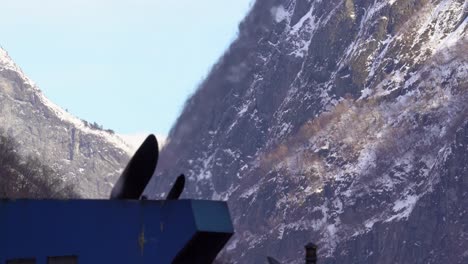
{"x":89,"y":158}
{"x":342,"y":122}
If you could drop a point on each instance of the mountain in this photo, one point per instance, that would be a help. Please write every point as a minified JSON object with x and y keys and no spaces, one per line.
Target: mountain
{"x":88,"y":157}
{"x":27,"y":177}
{"x":341,"y":122}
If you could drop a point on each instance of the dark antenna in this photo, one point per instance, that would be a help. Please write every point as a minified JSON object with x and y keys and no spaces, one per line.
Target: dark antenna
{"x":138,"y":172}
{"x":177,"y":188}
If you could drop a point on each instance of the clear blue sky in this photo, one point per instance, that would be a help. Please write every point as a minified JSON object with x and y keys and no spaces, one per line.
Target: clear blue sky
{"x":129,"y":65}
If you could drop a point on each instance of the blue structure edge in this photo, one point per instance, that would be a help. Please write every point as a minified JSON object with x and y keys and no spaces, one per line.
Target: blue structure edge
{"x":114,"y":231}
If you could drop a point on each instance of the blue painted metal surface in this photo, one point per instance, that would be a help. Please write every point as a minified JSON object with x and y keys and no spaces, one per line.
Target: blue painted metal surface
{"x":107,"y":231}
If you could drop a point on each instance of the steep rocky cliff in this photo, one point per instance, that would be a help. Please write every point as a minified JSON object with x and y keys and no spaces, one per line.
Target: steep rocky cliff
{"x":89,"y":158}
{"x":342,"y":122}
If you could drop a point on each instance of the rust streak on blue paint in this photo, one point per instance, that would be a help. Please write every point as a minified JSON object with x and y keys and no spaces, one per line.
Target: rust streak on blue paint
{"x":142,"y":240}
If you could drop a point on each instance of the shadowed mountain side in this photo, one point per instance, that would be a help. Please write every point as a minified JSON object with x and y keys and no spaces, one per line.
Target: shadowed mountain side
{"x":337,"y":122}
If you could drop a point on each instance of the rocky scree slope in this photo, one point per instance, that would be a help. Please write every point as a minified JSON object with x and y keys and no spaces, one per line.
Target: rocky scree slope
{"x":341,"y":122}
{"x":91,"y":159}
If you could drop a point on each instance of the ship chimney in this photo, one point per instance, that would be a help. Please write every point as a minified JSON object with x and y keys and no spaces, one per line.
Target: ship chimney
{"x":311,"y":253}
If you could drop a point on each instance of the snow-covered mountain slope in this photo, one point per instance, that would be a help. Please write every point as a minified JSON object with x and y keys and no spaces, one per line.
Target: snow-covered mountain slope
{"x":90,"y":158}
{"x":341,"y":122}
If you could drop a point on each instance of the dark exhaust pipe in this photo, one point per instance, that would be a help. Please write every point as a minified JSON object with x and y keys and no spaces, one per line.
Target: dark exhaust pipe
{"x":311,"y":253}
